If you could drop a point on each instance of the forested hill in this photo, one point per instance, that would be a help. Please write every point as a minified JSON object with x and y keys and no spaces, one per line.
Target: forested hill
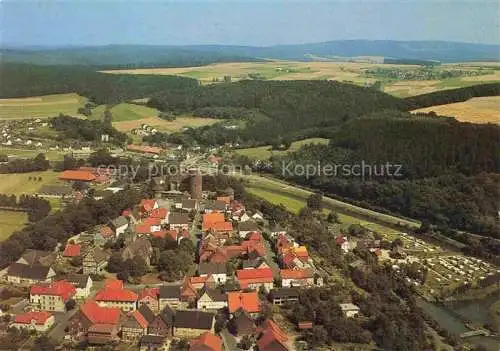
{"x":273,"y":110}
{"x":194,"y":55}
{"x":20,"y":80}
{"x":449,"y":175}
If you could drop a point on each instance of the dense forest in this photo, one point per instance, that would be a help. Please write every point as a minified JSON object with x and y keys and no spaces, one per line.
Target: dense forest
{"x":100,"y":88}
{"x":449,"y":173}
{"x":296,"y":109}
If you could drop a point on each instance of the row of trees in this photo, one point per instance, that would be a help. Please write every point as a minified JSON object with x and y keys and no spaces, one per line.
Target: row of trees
{"x":36,"y":164}
{"x":37,"y":208}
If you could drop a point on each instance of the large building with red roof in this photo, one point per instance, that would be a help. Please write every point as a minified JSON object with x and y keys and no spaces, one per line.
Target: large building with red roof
{"x":77,"y":176}
{"x":255,"y":278}
{"x":114,"y":295}
{"x":94,"y":319}
{"x":39,"y":321}
{"x":52,"y":296}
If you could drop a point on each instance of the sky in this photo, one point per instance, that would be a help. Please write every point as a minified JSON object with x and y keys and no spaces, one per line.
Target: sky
{"x":237,"y":22}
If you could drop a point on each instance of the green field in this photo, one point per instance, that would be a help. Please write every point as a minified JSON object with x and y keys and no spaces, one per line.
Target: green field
{"x":265,"y":152}
{"x":125,"y":112}
{"x":49,"y":154}
{"x":11,"y":221}
{"x":19,"y":183}
{"x":41,"y":106}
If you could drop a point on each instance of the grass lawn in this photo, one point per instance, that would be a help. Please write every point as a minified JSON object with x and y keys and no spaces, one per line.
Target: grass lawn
{"x":265,"y":152}
{"x":11,"y":221}
{"x":19,"y":183}
{"x":41,"y":106}
{"x":50,"y":155}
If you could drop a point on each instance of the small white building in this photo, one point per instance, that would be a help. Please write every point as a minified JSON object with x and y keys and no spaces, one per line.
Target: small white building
{"x":38,"y":321}
{"x":211,"y":299}
{"x":349,"y":309}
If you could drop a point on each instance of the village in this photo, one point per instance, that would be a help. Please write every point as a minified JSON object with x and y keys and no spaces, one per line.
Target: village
{"x":240,"y":267}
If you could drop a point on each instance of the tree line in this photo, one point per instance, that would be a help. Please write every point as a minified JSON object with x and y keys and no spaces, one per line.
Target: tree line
{"x":37,"y":164}
{"x":37,"y":208}
{"x":100,"y":88}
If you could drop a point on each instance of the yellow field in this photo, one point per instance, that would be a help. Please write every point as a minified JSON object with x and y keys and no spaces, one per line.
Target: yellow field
{"x":475,"y":110}
{"x":340,"y":71}
{"x":19,"y":183}
{"x":165,"y":126}
{"x":265,"y":152}
{"x":41,"y":106}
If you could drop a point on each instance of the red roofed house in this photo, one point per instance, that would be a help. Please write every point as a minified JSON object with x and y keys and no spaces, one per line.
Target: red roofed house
{"x":210,"y":219}
{"x":72,"y":250}
{"x":77,"y":176}
{"x":39,"y":321}
{"x":255,"y":278}
{"x":247,"y":301}
{"x":99,"y":324}
{"x":114,"y":295}
{"x":134,"y":327}
{"x":254,"y":249}
{"x":149,"y":296}
{"x":206,"y":342}
{"x":161,"y":214}
{"x":297,"y":277}
{"x":52,"y":296}
{"x":272,"y":338}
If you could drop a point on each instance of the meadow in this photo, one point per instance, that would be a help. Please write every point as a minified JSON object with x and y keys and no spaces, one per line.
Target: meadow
{"x":20,"y":183}
{"x":265,"y":152}
{"x":11,"y":221}
{"x":165,"y":126}
{"x":352,"y":72}
{"x":41,"y":106}
{"x":51,"y":155}
{"x":295,"y":198}
{"x":475,"y":110}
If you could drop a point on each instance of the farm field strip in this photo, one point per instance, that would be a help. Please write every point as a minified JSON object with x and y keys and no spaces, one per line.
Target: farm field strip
{"x":51,"y":155}
{"x":19,"y":183}
{"x":41,"y":106}
{"x":165,"y":126}
{"x":339,"y":71}
{"x":476,"y":110}
{"x":277,"y":186}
